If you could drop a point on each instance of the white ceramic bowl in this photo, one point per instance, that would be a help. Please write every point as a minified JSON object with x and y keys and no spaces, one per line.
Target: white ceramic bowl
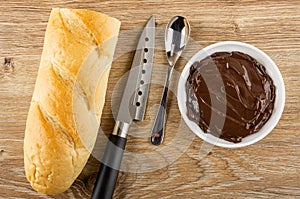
{"x":271,"y":69}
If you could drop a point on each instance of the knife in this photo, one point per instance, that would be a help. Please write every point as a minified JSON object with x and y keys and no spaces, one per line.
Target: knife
{"x":132,"y":108}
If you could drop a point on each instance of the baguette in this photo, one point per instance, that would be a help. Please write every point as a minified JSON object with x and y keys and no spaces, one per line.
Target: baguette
{"x":68,"y":98}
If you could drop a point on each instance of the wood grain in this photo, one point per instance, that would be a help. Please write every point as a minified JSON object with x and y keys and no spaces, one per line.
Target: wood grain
{"x":267,"y":169}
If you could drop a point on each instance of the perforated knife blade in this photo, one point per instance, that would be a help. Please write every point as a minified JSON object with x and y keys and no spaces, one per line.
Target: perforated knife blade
{"x":135,"y":95}
{"x":132,"y":107}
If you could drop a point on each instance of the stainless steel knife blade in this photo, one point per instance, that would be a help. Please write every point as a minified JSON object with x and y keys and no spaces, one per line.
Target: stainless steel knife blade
{"x":135,"y":95}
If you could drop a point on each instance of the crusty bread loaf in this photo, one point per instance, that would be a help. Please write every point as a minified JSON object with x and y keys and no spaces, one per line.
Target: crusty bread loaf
{"x":68,"y":98}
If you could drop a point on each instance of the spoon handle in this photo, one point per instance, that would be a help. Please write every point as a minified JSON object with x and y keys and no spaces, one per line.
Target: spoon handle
{"x":157,"y":133}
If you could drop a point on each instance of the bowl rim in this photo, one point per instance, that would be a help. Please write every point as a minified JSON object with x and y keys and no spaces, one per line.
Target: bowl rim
{"x":279,"y":101}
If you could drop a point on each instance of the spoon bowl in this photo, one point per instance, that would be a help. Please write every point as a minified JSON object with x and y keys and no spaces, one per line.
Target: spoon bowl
{"x":176,"y":38}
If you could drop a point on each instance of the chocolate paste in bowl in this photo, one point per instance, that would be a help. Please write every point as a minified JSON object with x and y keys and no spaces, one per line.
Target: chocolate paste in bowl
{"x":247,"y":95}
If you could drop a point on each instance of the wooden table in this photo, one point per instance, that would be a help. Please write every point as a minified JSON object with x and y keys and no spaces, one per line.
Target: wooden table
{"x":267,"y":169}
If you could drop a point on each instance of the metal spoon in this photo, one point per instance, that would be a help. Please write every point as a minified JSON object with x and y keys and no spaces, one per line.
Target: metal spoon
{"x":176,"y":38}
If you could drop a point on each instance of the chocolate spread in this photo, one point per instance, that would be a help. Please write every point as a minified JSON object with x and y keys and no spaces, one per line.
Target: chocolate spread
{"x":229,"y":95}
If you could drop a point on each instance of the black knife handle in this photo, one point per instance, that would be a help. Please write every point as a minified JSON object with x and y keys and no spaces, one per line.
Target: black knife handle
{"x":109,"y":168}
